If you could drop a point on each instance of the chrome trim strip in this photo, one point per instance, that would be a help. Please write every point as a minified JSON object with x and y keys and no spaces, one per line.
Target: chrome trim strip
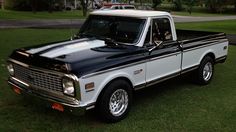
{"x":164,"y":56}
{"x":221,"y":58}
{"x":77,"y":85}
{"x":18,"y":62}
{"x":48,"y":97}
{"x":26,"y":84}
{"x":90,"y":107}
{"x":189,"y":69}
{"x":25,"y":54}
{"x":140,"y":86}
{"x":153,"y":82}
{"x":217,"y":60}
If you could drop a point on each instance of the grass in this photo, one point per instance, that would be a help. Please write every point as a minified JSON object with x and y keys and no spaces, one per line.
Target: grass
{"x":175,"y":105}
{"x":228,"y":26}
{"x":196,"y":11}
{"x":22,"y":15}
{"x":198,"y":14}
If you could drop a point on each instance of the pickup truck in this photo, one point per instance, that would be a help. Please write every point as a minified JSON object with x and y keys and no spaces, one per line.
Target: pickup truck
{"x":114,"y":53}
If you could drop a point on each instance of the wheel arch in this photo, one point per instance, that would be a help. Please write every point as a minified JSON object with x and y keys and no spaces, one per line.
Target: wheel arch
{"x":210,"y":54}
{"x":124,"y":78}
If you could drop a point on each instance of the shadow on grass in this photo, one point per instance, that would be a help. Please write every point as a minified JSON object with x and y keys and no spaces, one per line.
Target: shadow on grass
{"x":164,"y":87}
{"x":90,"y":118}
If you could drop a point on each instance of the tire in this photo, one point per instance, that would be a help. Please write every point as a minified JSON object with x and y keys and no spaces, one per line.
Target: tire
{"x":205,"y":71}
{"x":115,"y":102}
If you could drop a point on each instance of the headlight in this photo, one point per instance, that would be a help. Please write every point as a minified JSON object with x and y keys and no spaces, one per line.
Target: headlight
{"x":10,"y":69}
{"x":68,"y":86}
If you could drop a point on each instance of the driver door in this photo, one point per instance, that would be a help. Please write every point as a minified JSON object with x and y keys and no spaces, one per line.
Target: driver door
{"x":164,"y":58}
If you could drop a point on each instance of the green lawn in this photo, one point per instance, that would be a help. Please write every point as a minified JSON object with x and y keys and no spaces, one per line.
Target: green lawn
{"x":175,"y":105}
{"x":228,"y":26}
{"x":22,"y":15}
{"x":197,"y":14}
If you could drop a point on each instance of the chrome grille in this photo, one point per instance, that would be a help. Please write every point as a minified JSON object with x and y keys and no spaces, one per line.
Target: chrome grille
{"x":37,"y":78}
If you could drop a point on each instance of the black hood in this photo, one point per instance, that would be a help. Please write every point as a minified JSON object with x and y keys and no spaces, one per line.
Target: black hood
{"x":80,"y":61}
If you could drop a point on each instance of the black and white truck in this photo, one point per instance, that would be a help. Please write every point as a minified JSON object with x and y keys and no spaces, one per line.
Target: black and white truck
{"x":115,"y":53}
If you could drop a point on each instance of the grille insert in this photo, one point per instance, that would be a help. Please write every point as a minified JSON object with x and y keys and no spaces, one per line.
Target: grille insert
{"x":39,"y":79}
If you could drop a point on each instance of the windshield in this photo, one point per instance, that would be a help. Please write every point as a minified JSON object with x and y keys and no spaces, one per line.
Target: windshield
{"x":120,"y":29}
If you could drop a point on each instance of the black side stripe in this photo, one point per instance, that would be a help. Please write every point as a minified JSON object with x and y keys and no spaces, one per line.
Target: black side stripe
{"x":193,"y":47}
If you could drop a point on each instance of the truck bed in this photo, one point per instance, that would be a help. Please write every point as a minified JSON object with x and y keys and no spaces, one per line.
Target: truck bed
{"x":191,"y":35}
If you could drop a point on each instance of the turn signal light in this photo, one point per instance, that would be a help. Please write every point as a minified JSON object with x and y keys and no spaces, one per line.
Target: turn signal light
{"x":58,"y":107}
{"x":16,"y":90}
{"x":89,"y":86}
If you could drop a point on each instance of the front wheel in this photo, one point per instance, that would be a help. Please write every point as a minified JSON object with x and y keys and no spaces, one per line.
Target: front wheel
{"x":114,"y":103}
{"x":205,"y":71}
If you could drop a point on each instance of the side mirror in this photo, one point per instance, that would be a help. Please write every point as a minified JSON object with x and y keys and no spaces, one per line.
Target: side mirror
{"x":157,"y":44}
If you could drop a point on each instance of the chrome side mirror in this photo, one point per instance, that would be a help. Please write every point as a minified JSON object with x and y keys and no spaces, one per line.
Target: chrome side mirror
{"x":157,"y":44}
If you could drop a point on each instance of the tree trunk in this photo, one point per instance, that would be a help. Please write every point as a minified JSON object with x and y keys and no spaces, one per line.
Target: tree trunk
{"x":65,"y":4}
{"x":34,"y":6}
{"x":75,"y":2}
{"x":50,"y":6}
{"x":84,"y":4}
{"x":234,"y":5}
{"x":2,"y":5}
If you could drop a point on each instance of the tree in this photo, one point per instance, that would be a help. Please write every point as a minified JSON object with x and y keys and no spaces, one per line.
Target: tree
{"x":84,"y":4}
{"x":34,"y":5}
{"x":234,"y":5}
{"x":155,"y":3}
{"x":216,"y":5}
{"x":2,"y":4}
{"x":190,"y":4}
{"x":178,"y":5}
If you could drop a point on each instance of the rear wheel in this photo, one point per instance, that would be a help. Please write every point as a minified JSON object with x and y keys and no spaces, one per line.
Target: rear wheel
{"x":205,"y":71}
{"x":114,"y":103}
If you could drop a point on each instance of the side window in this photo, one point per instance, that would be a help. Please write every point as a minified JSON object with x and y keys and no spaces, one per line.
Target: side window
{"x":116,"y":7}
{"x":161,"y":30}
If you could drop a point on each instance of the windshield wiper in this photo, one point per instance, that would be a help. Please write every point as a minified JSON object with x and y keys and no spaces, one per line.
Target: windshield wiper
{"x":82,"y":35}
{"x":108,"y":41}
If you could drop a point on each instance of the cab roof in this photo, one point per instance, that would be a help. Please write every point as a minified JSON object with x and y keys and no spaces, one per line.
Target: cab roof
{"x":130,"y":13}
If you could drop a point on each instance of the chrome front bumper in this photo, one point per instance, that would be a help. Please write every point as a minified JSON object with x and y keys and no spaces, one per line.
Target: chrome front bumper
{"x":45,"y":95}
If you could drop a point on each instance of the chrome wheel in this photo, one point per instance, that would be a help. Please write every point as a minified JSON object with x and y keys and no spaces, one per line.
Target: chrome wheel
{"x":118,"y":102}
{"x":207,"y":71}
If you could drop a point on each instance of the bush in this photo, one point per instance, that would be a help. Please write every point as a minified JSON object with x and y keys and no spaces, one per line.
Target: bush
{"x":17,"y":5}
{"x":34,"y":5}
{"x":178,"y":5}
